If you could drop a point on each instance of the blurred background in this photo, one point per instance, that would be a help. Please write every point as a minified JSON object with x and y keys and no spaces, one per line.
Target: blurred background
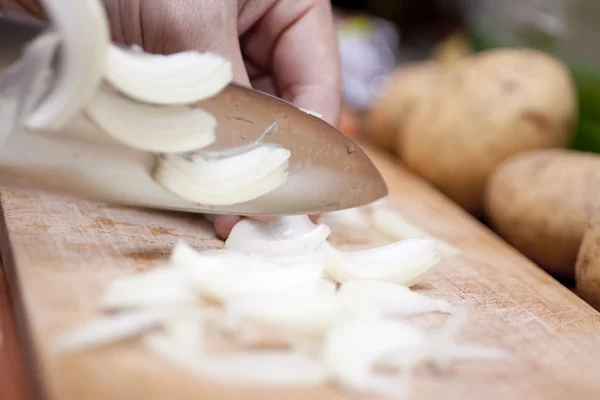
{"x":378,"y":37}
{"x":496,"y":103}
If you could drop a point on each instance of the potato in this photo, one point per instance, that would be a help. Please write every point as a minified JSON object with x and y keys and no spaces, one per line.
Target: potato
{"x":587,"y":269}
{"x":482,"y":110}
{"x":541,"y":202}
{"x":406,"y":86}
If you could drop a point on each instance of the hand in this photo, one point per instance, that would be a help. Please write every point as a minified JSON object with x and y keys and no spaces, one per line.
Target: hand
{"x":284,"y":47}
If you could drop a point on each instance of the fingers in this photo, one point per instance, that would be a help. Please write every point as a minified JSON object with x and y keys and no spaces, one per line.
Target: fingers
{"x":298,"y":41}
{"x":27,"y":7}
{"x":224,"y":224}
{"x":181,"y":25}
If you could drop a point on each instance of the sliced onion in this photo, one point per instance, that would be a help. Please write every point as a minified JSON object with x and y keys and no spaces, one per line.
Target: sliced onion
{"x":224,"y":274}
{"x":185,"y":258}
{"x":83,"y":28}
{"x":391,"y":224}
{"x":183,"y":254}
{"x":158,"y":129}
{"x":351,"y":218}
{"x":439,"y":347}
{"x":226,"y":181}
{"x":190,"y":261}
{"x":390,"y":299}
{"x":274,"y":368}
{"x":185,"y":187}
{"x":245,"y":279}
{"x":181,"y":78}
{"x":253,"y":165}
{"x":147,"y":297}
{"x":406,"y":262}
{"x":476,"y":353}
{"x":353,"y":349}
{"x":161,"y":276}
{"x":107,"y":330}
{"x":186,"y":327}
{"x":345,"y":336}
{"x":158,"y":287}
{"x":282,"y":237}
{"x":327,"y":286}
{"x":306,"y":314}
{"x":24,"y":82}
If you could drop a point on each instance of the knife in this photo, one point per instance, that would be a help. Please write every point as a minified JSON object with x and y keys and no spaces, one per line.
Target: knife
{"x":327,"y":170}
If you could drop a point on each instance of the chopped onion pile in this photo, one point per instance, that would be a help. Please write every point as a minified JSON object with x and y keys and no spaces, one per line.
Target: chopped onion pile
{"x":141,"y":100}
{"x":270,"y":294}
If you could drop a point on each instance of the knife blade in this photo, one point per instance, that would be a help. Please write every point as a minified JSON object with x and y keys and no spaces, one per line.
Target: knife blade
{"x":327,"y":170}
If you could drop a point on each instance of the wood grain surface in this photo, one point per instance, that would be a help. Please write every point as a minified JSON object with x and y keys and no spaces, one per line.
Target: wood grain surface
{"x":13,"y":375}
{"x":64,"y":251}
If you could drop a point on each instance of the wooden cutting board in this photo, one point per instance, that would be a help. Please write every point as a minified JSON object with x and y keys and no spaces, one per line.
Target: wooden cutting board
{"x":59,"y":253}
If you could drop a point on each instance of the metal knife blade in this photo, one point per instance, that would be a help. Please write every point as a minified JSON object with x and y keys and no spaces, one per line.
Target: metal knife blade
{"x":327,"y":170}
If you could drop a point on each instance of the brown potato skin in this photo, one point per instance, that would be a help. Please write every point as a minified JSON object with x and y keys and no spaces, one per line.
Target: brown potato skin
{"x":406,"y":86}
{"x":587,"y":269}
{"x":482,"y":110}
{"x":541,"y":202}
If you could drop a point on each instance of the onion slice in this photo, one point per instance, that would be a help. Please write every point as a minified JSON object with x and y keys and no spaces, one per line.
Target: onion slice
{"x":186,"y":327}
{"x":406,"y":262}
{"x":107,"y":330}
{"x":273,"y":368}
{"x":157,"y":287}
{"x":392,"y":225}
{"x":152,"y":279}
{"x":224,"y":274}
{"x":353,"y":349}
{"x":441,"y":348}
{"x":283,"y":237}
{"x":166,"y":129}
{"x":24,"y":82}
{"x":250,"y":277}
{"x":390,"y":299}
{"x":84,"y":31}
{"x":161,"y":295}
{"x":349,"y":218}
{"x":232,"y":180}
{"x":305,"y":314}
{"x":190,"y":261}
{"x":327,"y":286}
{"x":181,"y":78}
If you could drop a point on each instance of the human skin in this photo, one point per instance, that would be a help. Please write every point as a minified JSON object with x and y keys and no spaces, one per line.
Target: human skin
{"x":284,"y":47}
